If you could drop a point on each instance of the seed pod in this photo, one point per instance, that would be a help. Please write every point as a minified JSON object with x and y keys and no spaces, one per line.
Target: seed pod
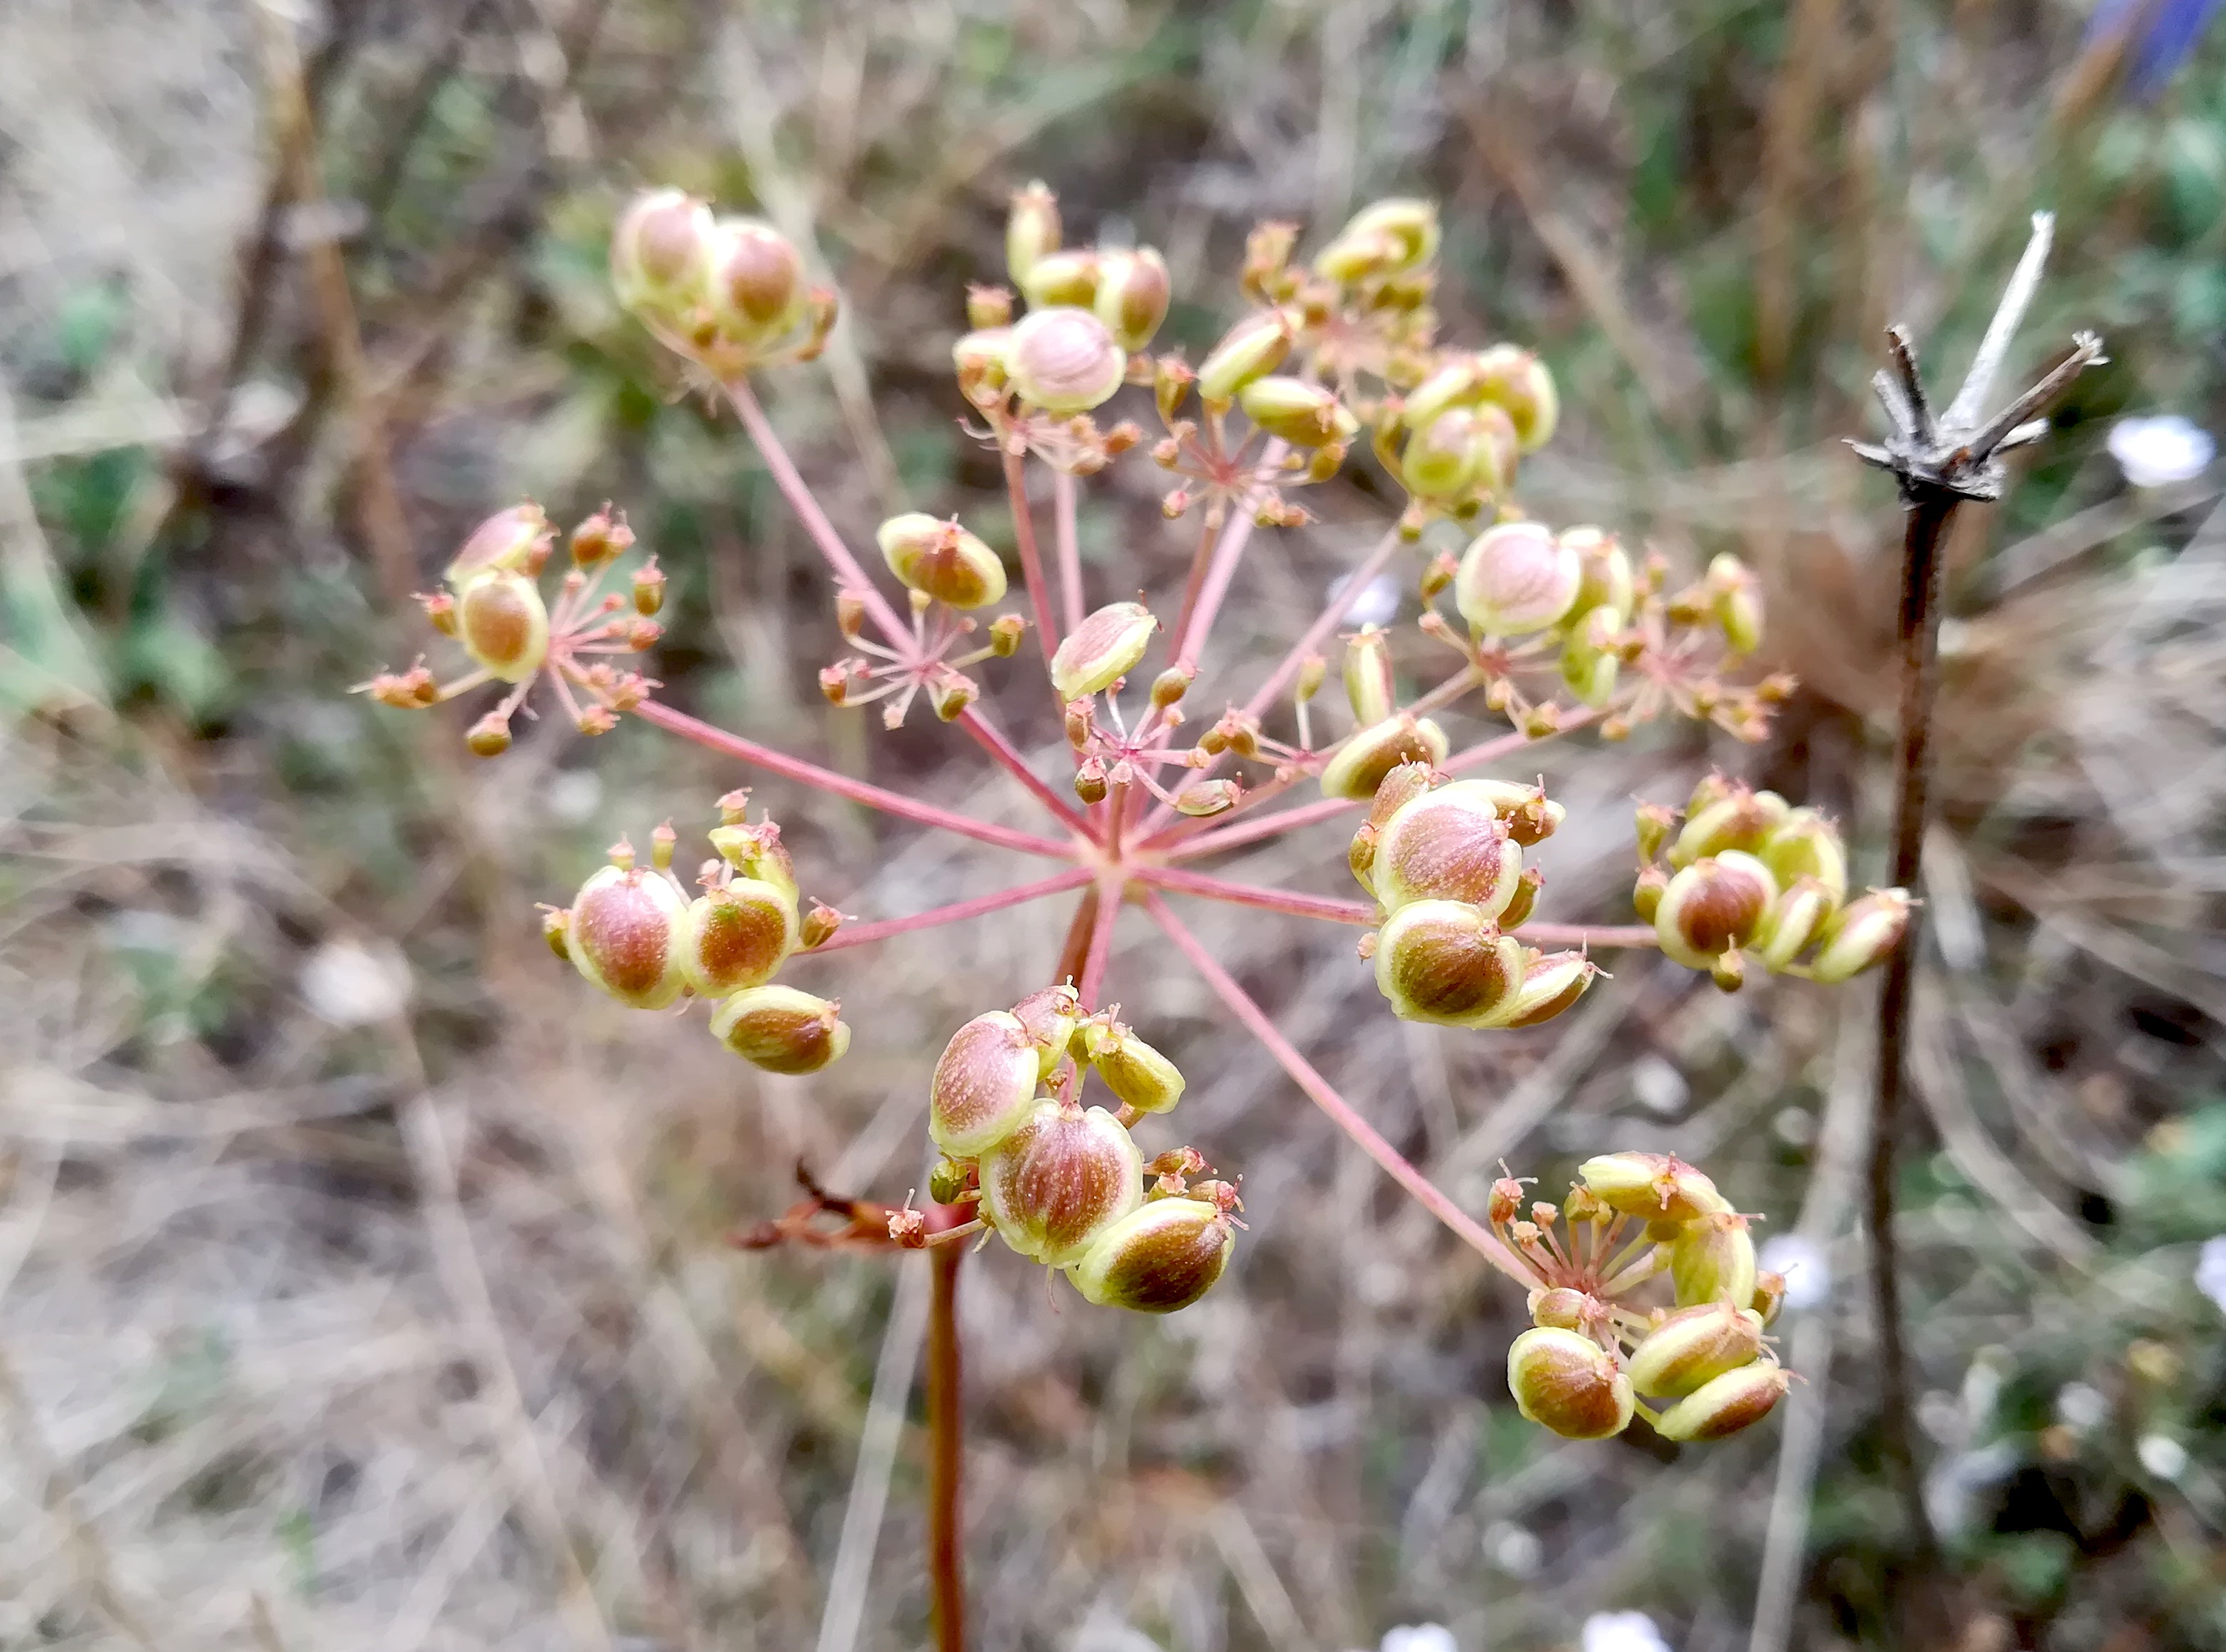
{"x":1207,"y":799}
{"x":1654,"y":826}
{"x":1090,"y":783}
{"x":1646,"y":893}
{"x":782,"y":1030}
{"x":1255,"y":347}
{"x":1796,"y":918}
{"x":1726,"y":1404}
{"x":941,"y":560}
{"x":1369,"y":683}
{"x":979,"y":359}
{"x":1493,"y":449}
{"x":1561,"y":1308}
{"x":1713,"y":1261}
{"x":1656,"y":1185}
{"x":951,"y":691}
{"x":1361,"y":857}
{"x":1739,"y":819}
{"x":1158,"y":1259}
{"x":1452,"y":384}
{"x":1442,"y":961}
{"x":755,"y":290}
{"x":1550,"y":985}
{"x":1060,"y":1179}
{"x":1518,"y":911}
{"x":1608,"y":579}
{"x":1137,"y":1073}
{"x":489,"y":736}
{"x":947,"y":1179}
{"x":1170,"y":685}
{"x":736,"y":936}
{"x":1102,"y":650}
{"x":1515,"y":579}
{"x":1005,"y":634}
{"x":1359,"y":766}
{"x":1032,"y":230}
{"x":989,"y":306}
{"x":1589,"y":663}
{"x":1514,"y":378}
{"x":1692,"y":1346}
{"x":624,"y":936}
{"x":1064,"y":360}
{"x":1049,"y":1016}
{"x":1449,"y":844}
{"x":1735,"y":599}
{"x":648,"y":591}
{"x":1568,"y":1383}
{"x":1132,"y":296}
{"x":509,"y":542}
{"x":984,"y":1086}
{"x":1306,"y":415}
{"x":1769,"y":1294}
{"x":504,"y":625}
{"x":1386,"y":238}
{"x":661,"y":254}
{"x":1440,"y":459}
{"x":756,"y":851}
{"x":1806,"y":845}
{"x":1531,"y":816}
{"x":819,"y":926}
{"x":1866,"y":934}
{"x":1714,"y":905}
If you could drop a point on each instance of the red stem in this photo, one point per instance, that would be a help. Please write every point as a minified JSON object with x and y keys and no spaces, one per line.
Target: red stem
{"x":1326,"y":907}
{"x":1200,"y":560}
{"x":1325,"y":1095}
{"x":1032,"y":567}
{"x":998,"y":747}
{"x":1100,"y":949}
{"x":1070,"y":547}
{"x":1019,"y":895}
{"x":946,"y":1423}
{"x":1584,"y":935}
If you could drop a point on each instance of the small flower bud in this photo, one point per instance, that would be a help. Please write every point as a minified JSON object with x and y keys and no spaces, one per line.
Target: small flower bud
{"x":1137,"y":1073}
{"x":1714,"y":905}
{"x":661,"y":253}
{"x":1158,"y":1259}
{"x":1736,"y":598}
{"x":601,"y":539}
{"x":979,"y":359}
{"x":1866,"y":934}
{"x":950,"y":692}
{"x":1441,"y":961}
{"x":1306,"y":415}
{"x":1005,"y":634}
{"x":1550,"y":985}
{"x":624,"y":936}
{"x":1361,"y":857}
{"x":1515,"y":579}
{"x":509,"y":542}
{"x":1796,"y":918}
{"x":1386,"y":238}
{"x":1208,"y":799}
{"x":1132,"y":296}
{"x":1049,"y":1017}
{"x":556,"y":930}
{"x":1568,"y":1383}
{"x":1059,"y":1180}
{"x":1653,"y":1185}
{"x":782,"y":1030}
{"x":755,"y":852}
{"x":1369,"y":683}
{"x":1359,"y":765}
{"x":489,"y":736}
{"x":1713,"y":1261}
{"x":1740,"y":819}
{"x":1102,"y":650}
{"x":984,"y":1086}
{"x":1561,"y":1307}
{"x":988,"y":306}
{"x":1254,"y":348}
{"x":1692,"y":1346}
{"x":1589,"y":663}
{"x":1089,"y":782}
{"x":736,"y":936}
{"x":1806,"y":845}
{"x":941,"y":560}
{"x":755,"y":290}
{"x":1656,"y":823}
{"x":1769,"y":1295}
{"x":1514,"y":378}
{"x":818,"y":927}
{"x":1032,"y":230}
{"x":1726,"y":1404}
{"x":1170,"y":685}
{"x":1449,"y":844}
{"x":504,"y":625}
{"x":1646,"y":892}
{"x":1517,"y":912}
{"x":648,"y":589}
{"x":1608,"y":580}
{"x":1064,"y":360}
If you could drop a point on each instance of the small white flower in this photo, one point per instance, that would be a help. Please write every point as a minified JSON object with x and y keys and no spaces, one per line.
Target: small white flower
{"x":2210,"y":1270}
{"x":1808,"y":1273}
{"x":2081,"y":1408}
{"x":1621,"y":1632}
{"x":1419,"y":1637}
{"x":1376,"y":605}
{"x":2161,"y":449}
{"x":2165,"y":1457}
{"x":349,"y":985}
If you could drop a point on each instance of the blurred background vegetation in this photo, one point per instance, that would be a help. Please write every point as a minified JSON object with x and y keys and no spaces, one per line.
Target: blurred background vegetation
{"x":366,"y":1282}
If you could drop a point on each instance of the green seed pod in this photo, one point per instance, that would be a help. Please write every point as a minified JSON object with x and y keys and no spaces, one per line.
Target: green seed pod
{"x":1442,"y":961}
{"x":1440,"y":458}
{"x":1368,"y":682}
{"x":985,"y":1086}
{"x":1796,"y":918}
{"x":737,"y":936}
{"x":1385,"y":237}
{"x":1449,"y":844}
{"x":1694,"y":1346}
{"x":1712,"y":1260}
{"x":1359,"y":765}
{"x":1713,"y":907}
{"x":1740,"y":819}
{"x":1064,"y":360}
{"x":1658,"y":1186}
{"x":661,"y":254}
{"x":1726,"y":1404}
{"x":1158,"y":1259}
{"x":1132,"y":296}
{"x":1589,"y":663}
{"x":515,"y":541}
{"x":1769,"y":1295}
{"x":1550,"y":985}
{"x":1514,"y":378}
{"x":1454,"y":385}
{"x":782,"y":1030}
{"x":979,"y":359}
{"x":1515,"y":579}
{"x":1137,"y":1073}
{"x":1646,"y":893}
{"x":1102,"y":650}
{"x":755,"y":290}
{"x":624,"y":936}
{"x":1251,"y":349}
{"x":1494,"y":450}
{"x":1866,"y":934}
{"x":941,"y":560}
{"x":1568,"y":1383}
{"x":1059,"y":1180}
{"x":1063,"y":279}
{"x":756,"y":851}
{"x":1561,"y":1308}
{"x":1735,"y":599}
{"x":1032,"y":230}
{"x":947,"y":1179}
{"x":1806,"y":845}
{"x":504,"y":625}
{"x":1518,"y":911}
{"x":1049,"y":1016}
{"x":1609,"y":581}
{"x":1306,"y":415}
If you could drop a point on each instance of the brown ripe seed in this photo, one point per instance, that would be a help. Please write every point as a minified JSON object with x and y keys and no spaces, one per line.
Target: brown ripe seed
{"x":737,"y":935}
{"x":1158,"y":1259}
{"x":1442,"y":961}
{"x":624,"y":936}
{"x":1714,"y":905}
{"x":1060,"y":1179}
{"x":1568,"y":1383}
{"x":504,"y":625}
{"x":984,"y":1086}
{"x":1727,"y":1404}
{"x":782,"y":1030}
{"x":1448,"y":844}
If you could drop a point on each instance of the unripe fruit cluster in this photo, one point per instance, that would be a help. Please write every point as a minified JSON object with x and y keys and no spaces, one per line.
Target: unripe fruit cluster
{"x":729,"y":292}
{"x":1746,"y":875}
{"x":1454,"y":440}
{"x":1066,"y":1185}
{"x":1521,"y":578}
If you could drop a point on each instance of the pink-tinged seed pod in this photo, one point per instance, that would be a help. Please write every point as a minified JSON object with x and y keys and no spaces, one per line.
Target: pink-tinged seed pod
{"x":1550,"y":985}
{"x":755,"y":290}
{"x":818,"y":927}
{"x":1091,"y":783}
{"x":489,"y":736}
{"x":1306,"y":415}
{"x":1361,"y":857}
{"x":1518,"y":911}
{"x":1059,"y":1180}
{"x":1138,"y":1074}
{"x":648,"y":589}
{"x":782,"y":1030}
{"x":950,"y":691}
{"x":1065,"y":278}
{"x":1712,"y":1260}
{"x":1646,"y":892}
{"x":988,"y":306}
{"x":1694,"y":1346}
{"x":661,"y":253}
{"x":737,"y":936}
{"x":1726,"y":1404}
{"x":1515,"y":579}
{"x":941,"y":560}
{"x":1561,"y":1308}
{"x":1796,"y":918}
{"x":1806,"y":845}
{"x":1449,"y":844}
{"x":1386,"y":238}
{"x":1208,"y":799}
{"x":601,"y":539}
{"x":624,"y":936}
{"x":1049,"y":1017}
{"x":1402,"y":786}
{"x":1253,"y":348}
{"x":1531,"y":816}
{"x":1032,"y":230}
{"x":1736,"y":598}
{"x":1102,"y":650}
{"x":756,"y":851}
{"x":1158,"y":1259}
{"x":1495,"y":449}
{"x":1132,"y":296}
{"x":1713,"y":907}
{"x":1568,"y":1383}
{"x":1609,"y":581}
{"x":504,"y":625}
{"x":1370,"y":684}
{"x":1739,"y":819}
{"x":1064,"y":360}
{"x":1440,"y":458}
{"x":1710,"y":789}
{"x":1441,"y":961}
{"x":978,"y":357}
{"x":985,"y":1086}
{"x":1589,"y":663}
{"x":1512,"y":377}
{"x":1866,"y":934}
{"x":1659,"y":1186}
{"x":509,"y":542}
{"x":1769,"y":1295}
{"x":1359,"y":766}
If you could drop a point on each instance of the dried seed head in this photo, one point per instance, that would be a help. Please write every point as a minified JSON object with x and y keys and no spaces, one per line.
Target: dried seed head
{"x":1065,"y":278}
{"x":782,"y":1030}
{"x":1132,"y":296}
{"x":1726,"y":1404}
{"x":1064,"y":360}
{"x":1806,"y":845}
{"x":1866,"y":934}
{"x":1712,"y":1260}
{"x":1441,"y":961}
{"x":1692,"y":1346}
{"x":504,"y":625}
{"x":1656,"y":1185}
{"x":755,"y":290}
{"x":1049,"y":1016}
{"x":941,"y":560}
{"x":509,"y":542}
{"x":1568,"y":1383}
{"x":1713,"y":907}
{"x":1102,"y":650}
{"x":1735,"y":599}
{"x":1059,"y":1180}
{"x":1359,"y":765}
{"x":1608,"y":580}
{"x":1306,"y":415}
{"x":624,"y":936}
{"x":1384,"y":238}
{"x":1158,"y":1259}
{"x":1137,"y":1073}
{"x":1551,"y":984}
{"x":984,"y":1086}
{"x":1253,"y":348}
{"x":1449,"y":844}
{"x":661,"y":254}
{"x":1032,"y":230}
{"x":1515,"y":579}
{"x":737,"y":936}
{"x":1514,"y":378}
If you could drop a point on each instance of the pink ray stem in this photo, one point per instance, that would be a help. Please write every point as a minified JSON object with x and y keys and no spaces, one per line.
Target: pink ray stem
{"x":1032,"y":567}
{"x":1325,"y":1095}
{"x":1070,"y":547}
{"x":1019,"y":895}
{"x":998,"y":747}
{"x":1587,"y":934}
{"x":1326,"y":907}
{"x":810,"y":774}
{"x":1100,"y":952}
{"x":1226,"y":556}
{"x":1201,"y":559}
